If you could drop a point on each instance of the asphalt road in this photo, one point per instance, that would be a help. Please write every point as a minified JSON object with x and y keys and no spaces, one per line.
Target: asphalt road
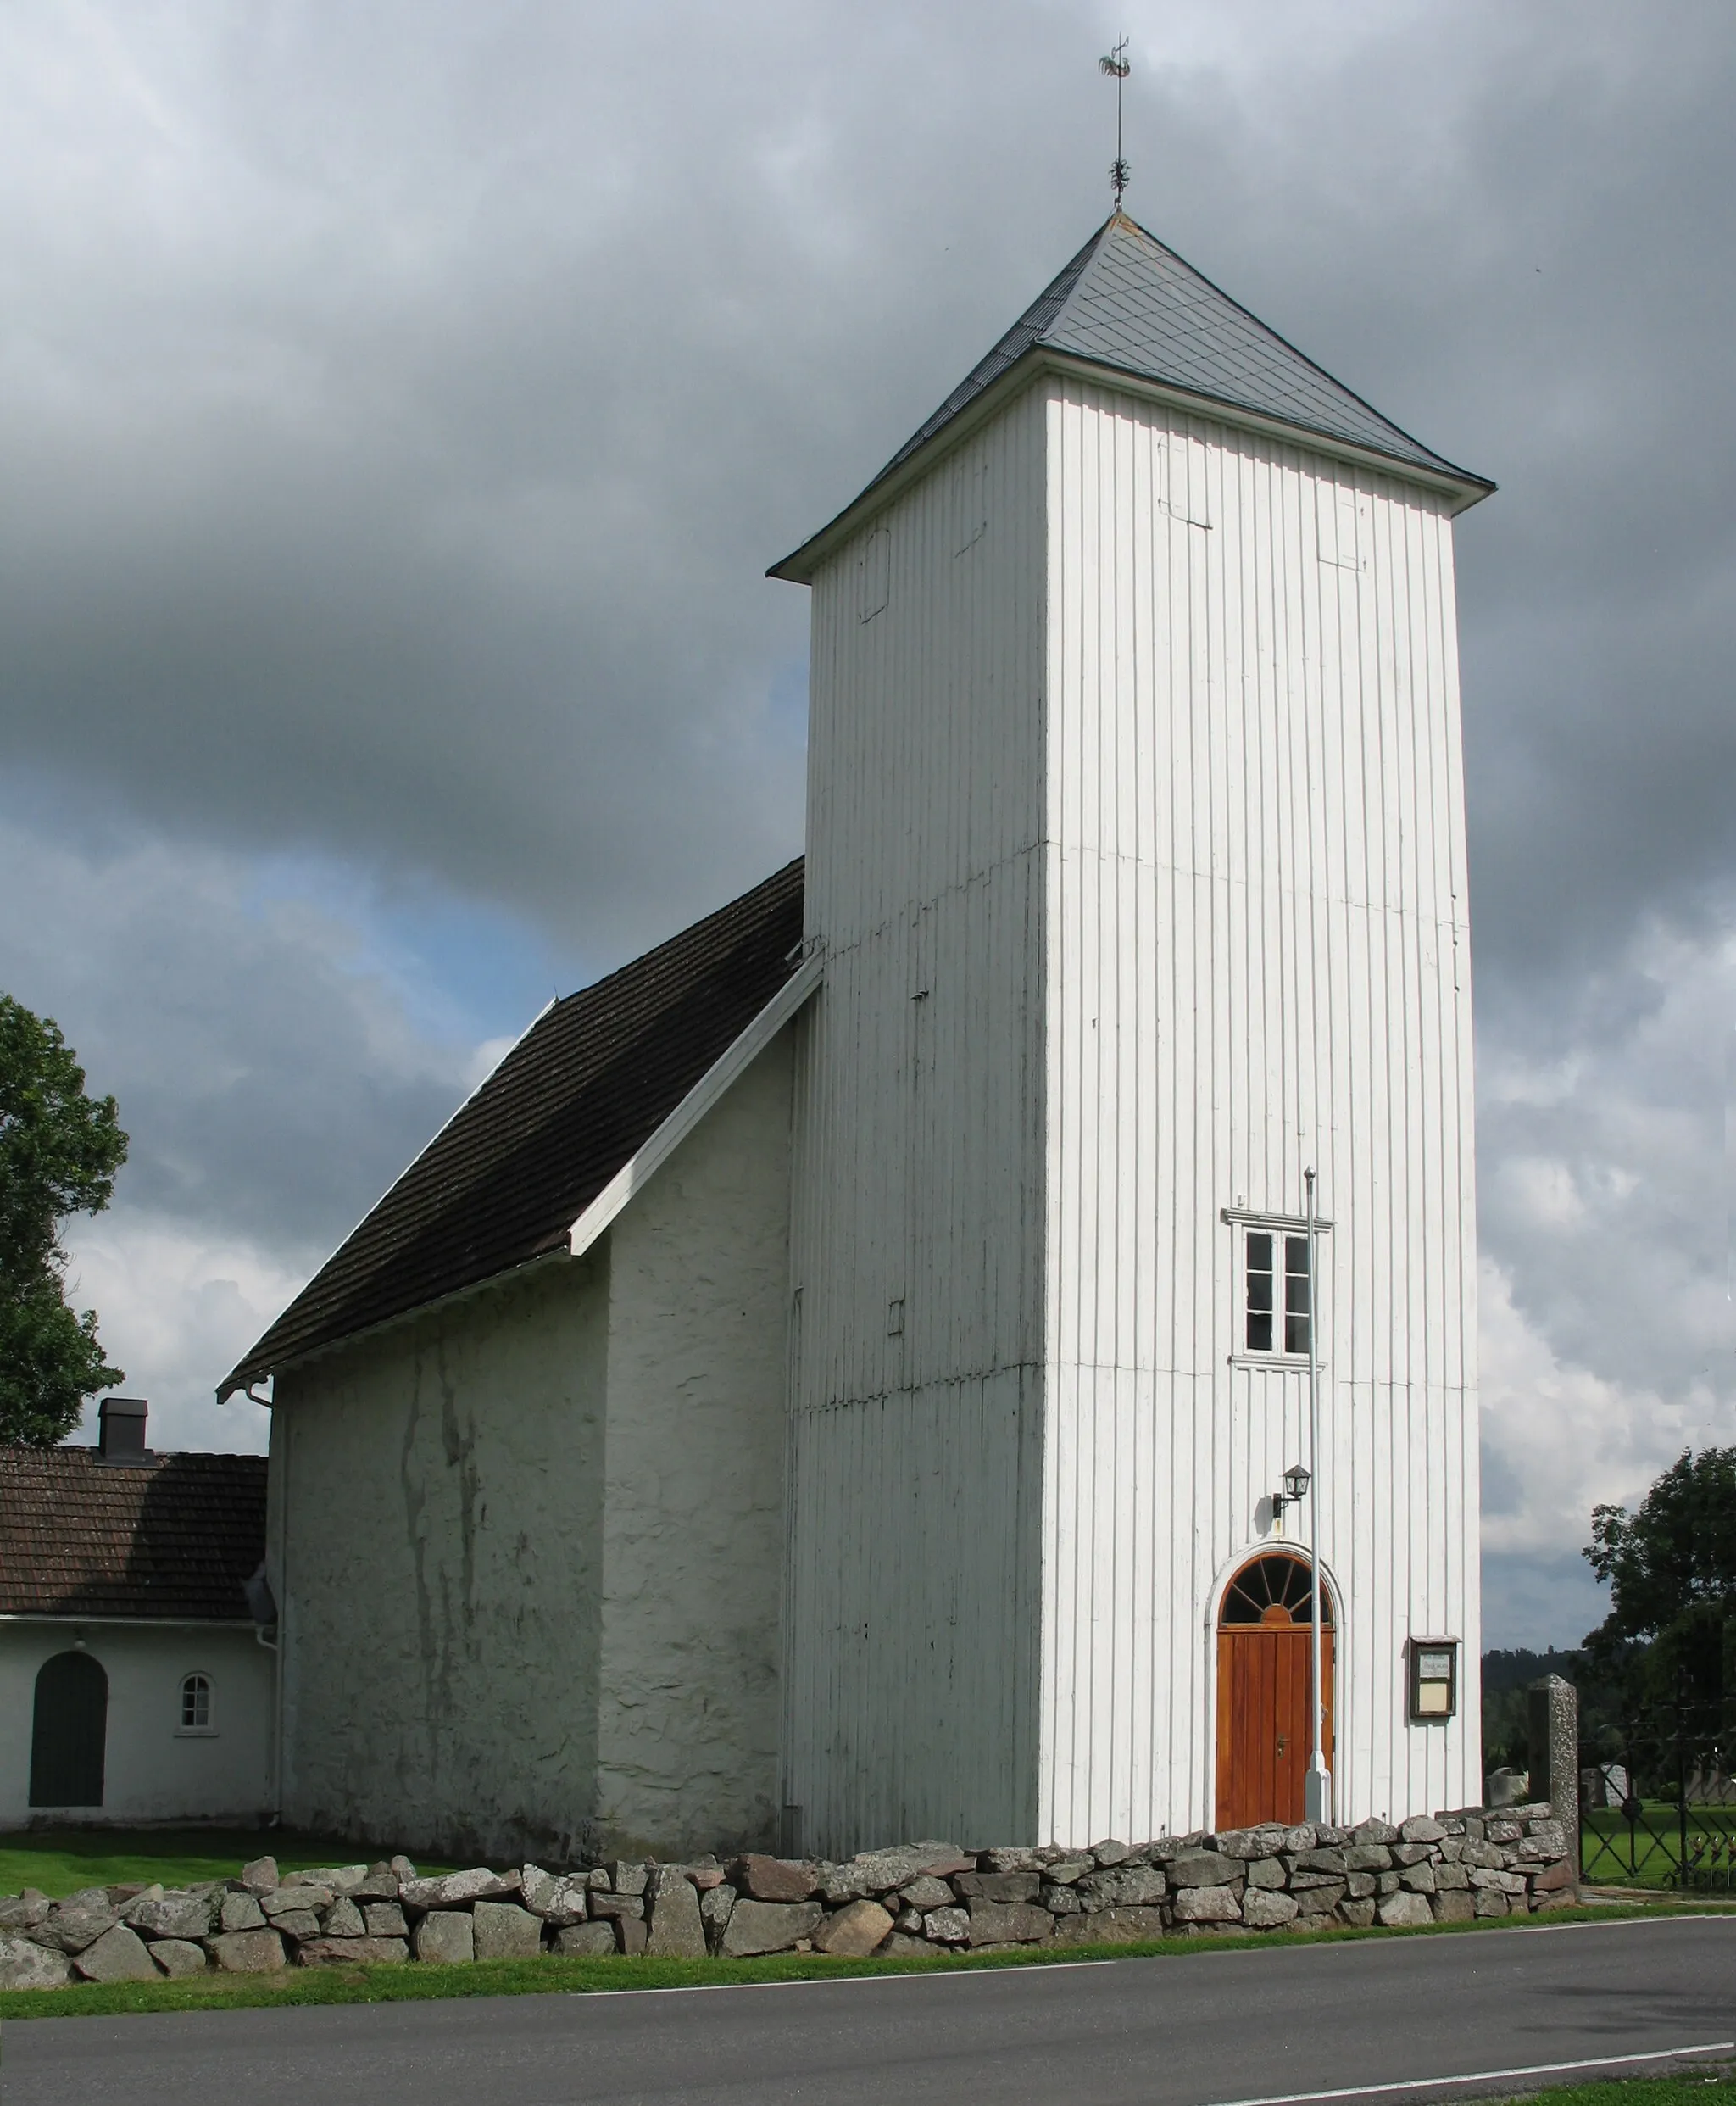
{"x":1217,"y":2026}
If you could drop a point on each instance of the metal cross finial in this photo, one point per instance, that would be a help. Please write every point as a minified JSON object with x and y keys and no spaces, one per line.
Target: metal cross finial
{"x":1116,"y":64}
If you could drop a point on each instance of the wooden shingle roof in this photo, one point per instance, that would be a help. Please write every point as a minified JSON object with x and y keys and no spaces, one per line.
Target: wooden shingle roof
{"x":177,"y":1537}
{"x":587,"y":1085}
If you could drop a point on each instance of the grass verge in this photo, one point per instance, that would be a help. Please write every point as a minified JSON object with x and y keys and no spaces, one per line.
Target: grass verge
{"x":60,"y":1861}
{"x":1692,"y":2088}
{"x":569,"y":1977}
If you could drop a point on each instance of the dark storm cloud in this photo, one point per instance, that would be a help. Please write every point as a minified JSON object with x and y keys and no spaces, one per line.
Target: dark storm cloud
{"x":1512,"y":230}
{"x":398,"y":450}
{"x":400,"y":407}
{"x":269,"y":1075}
{"x":403,"y":410}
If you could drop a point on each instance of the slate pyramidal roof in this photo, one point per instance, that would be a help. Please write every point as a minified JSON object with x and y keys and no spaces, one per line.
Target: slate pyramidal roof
{"x":1127,"y":304}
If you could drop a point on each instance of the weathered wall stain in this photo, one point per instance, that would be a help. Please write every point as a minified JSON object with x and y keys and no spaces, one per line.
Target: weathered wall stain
{"x":422,"y":1640}
{"x":457,"y":1437}
{"x":413,"y":1504}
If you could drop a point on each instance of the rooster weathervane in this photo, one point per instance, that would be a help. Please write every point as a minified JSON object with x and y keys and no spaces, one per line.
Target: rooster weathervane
{"x":1115,"y":64}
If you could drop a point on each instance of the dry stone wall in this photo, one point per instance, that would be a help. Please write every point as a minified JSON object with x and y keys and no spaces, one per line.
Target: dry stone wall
{"x":922,"y":1898}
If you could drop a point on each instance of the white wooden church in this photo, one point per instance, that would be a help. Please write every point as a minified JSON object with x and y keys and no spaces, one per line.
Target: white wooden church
{"x":830,"y":1386}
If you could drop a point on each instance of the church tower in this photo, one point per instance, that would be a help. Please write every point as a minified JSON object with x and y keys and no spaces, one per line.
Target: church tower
{"x":1136,"y":864}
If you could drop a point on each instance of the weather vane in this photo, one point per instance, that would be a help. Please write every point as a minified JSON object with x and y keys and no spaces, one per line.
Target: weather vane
{"x":1115,"y":64}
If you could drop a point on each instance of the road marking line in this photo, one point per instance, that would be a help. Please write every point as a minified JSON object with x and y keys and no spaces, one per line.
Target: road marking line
{"x":1486,"y":2076}
{"x":1711,"y":1915}
{"x":1488,"y":1926}
{"x":814,"y":1981}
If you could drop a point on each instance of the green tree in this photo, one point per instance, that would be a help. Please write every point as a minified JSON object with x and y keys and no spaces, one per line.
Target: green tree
{"x":59,"y":1149}
{"x":1670,"y":1630}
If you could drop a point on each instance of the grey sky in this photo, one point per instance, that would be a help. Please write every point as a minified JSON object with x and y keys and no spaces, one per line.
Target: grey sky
{"x":400,"y":409}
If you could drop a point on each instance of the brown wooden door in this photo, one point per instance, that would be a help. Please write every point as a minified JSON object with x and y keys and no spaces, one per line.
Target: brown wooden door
{"x":1263,"y":1736}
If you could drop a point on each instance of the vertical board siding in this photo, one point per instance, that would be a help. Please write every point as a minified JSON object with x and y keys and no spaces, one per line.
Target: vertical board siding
{"x":1135,"y":814}
{"x":1255,"y":962}
{"x":911,"y":1616}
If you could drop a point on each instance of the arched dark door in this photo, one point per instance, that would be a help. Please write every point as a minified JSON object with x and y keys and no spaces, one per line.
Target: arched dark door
{"x":1263,"y":1729}
{"x":69,"y":1731}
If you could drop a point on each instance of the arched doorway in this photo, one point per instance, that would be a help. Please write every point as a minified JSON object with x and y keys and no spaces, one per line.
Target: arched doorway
{"x":69,"y":1732}
{"x":1263,"y":1728}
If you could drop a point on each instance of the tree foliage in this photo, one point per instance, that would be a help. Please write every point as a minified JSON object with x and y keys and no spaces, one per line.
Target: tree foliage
{"x":59,"y":1150}
{"x":1507,"y":1676}
{"x":1672,"y":1572}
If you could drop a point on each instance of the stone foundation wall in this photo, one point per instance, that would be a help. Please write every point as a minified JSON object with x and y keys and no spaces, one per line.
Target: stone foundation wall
{"x":918,"y":1898}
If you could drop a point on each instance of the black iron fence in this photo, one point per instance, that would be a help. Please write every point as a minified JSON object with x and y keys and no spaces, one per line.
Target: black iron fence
{"x":1657,"y":1799}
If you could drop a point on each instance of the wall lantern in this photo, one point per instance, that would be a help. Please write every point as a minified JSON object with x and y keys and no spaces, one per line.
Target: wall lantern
{"x":1434,"y":1678}
{"x":1297,"y":1481}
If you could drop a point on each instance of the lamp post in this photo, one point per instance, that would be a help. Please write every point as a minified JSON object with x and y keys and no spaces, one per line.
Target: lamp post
{"x":1318,"y":1790}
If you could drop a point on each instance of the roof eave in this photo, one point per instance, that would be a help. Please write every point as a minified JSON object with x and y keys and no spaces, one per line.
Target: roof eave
{"x":1460,"y":485}
{"x":801,"y":566}
{"x":252,"y":1371}
{"x":120,"y":1621}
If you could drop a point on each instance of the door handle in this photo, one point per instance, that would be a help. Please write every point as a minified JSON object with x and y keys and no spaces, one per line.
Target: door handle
{"x":1283,"y":1743}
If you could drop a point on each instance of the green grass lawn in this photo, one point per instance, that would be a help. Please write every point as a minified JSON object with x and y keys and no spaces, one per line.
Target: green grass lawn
{"x":556,"y":1976}
{"x":1691,"y":2090}
{"x":60,"y":1861}
{"x":1647,"y":1853}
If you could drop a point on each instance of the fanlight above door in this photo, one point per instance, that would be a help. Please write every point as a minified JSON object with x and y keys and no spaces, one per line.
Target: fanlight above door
{"x":1273,"y":1589}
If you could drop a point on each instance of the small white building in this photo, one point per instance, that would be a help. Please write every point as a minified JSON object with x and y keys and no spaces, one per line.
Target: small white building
{"x":134,"y":1688}
{"x":831,"y":1383}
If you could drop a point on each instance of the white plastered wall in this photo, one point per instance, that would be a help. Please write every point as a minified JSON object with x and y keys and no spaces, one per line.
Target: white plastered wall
{"x":527,"y":1546}
{"x":153,"y":1771}
{"x":433,"y":1540}
{"x":694,"y":1518}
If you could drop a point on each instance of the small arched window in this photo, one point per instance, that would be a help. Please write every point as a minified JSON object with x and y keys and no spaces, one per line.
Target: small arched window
{"x":196,"y":1703}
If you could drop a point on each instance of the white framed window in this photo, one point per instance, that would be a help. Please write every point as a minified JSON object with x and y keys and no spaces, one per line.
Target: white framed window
{"x":1274,"y":1308}
{"x":1275,"y":1293}
{"x":195,"y":1714}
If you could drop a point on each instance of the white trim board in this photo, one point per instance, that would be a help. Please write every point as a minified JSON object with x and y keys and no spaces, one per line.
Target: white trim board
{"x":70,"y":1620}
{"x":400,"y":1317}
{"x":1290,"y":1224}
{"x":650,"y":1157}
{"x":1460,"y":487}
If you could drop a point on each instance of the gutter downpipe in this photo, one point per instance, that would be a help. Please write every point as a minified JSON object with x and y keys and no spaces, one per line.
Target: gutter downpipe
{"x":274,"y":1644}
{"x":281,"y":1425}
{"x":1318,"y":1791}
